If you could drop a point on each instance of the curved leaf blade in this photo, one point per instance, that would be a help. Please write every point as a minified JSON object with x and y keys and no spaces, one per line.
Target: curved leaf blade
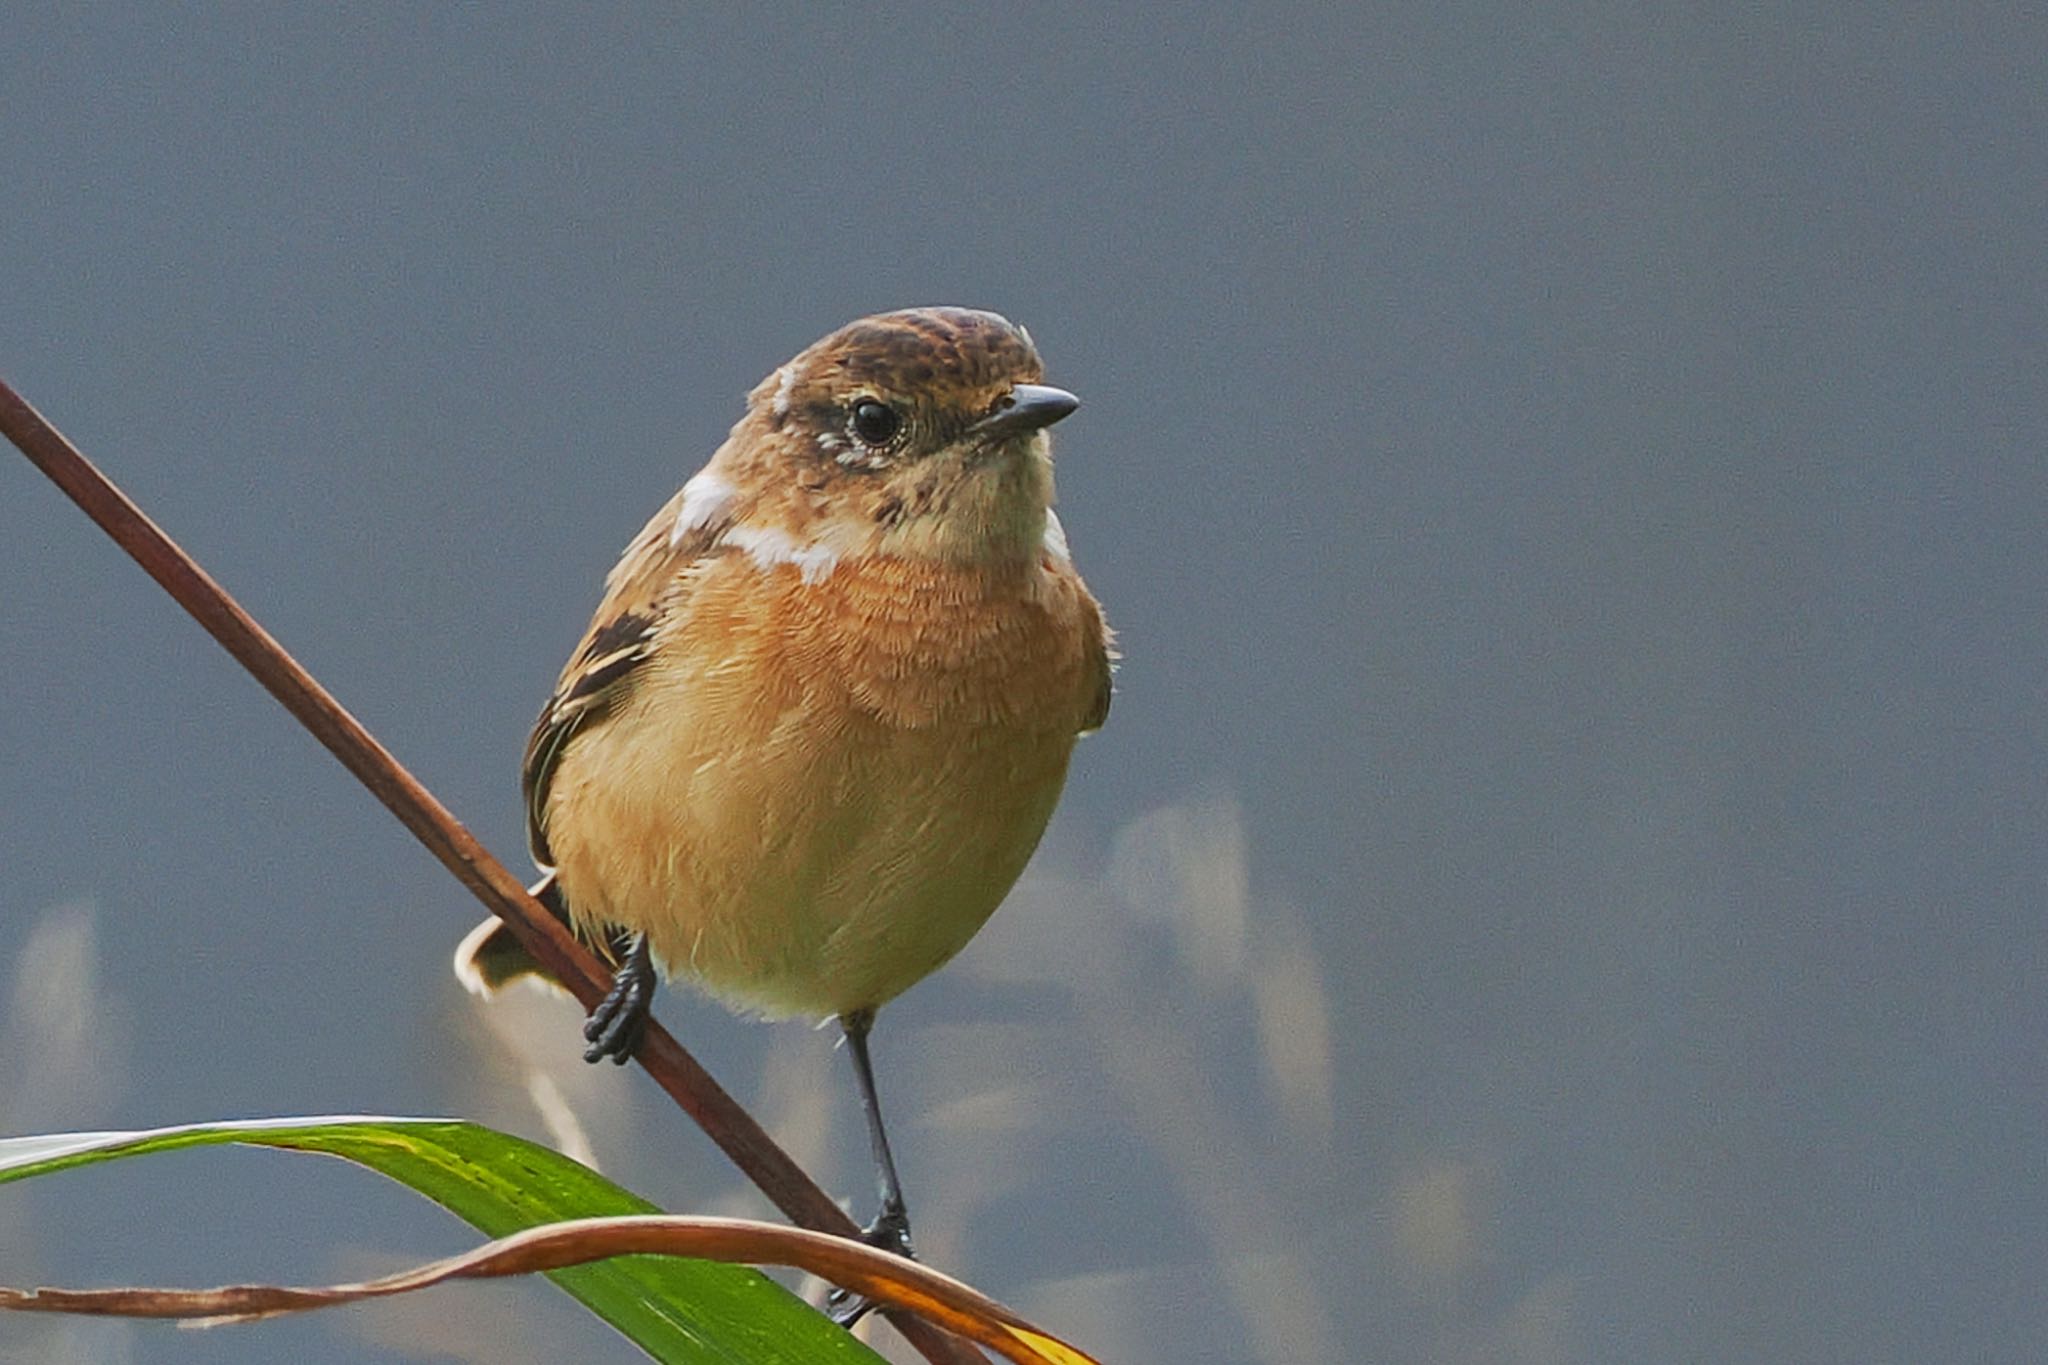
{"x":680,"y":1312}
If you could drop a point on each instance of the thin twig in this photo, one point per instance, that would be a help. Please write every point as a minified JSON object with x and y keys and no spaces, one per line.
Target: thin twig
{"x":667,"y":1061}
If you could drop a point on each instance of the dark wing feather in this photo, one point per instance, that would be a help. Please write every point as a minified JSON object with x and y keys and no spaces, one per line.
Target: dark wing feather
{"x":640,"y":593}
{"x":1098,"y":711}
{"x":1104,"y":657}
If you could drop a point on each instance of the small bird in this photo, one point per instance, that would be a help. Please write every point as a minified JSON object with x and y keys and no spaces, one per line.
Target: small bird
{"x":826,"y":707}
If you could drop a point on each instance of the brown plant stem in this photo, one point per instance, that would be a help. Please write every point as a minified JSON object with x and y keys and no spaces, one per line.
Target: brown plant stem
{"x":673,"y":1068}
{"x":557,"y":1246}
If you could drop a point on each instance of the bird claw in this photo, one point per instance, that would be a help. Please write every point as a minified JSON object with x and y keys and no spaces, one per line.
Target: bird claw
{"x":615,"y":1028}
{"x":889,"y":1232}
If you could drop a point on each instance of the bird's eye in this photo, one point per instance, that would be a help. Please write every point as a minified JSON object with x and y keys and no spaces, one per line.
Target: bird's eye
{"x":875,"y":423}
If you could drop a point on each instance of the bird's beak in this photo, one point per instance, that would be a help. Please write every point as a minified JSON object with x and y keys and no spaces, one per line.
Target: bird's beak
{"x":1030,"y":407}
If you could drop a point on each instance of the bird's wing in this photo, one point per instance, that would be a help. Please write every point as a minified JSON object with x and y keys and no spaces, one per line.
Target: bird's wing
{"x":1098,"y":711}
{"x":641,"y":592}
{"x":1102,"y":657}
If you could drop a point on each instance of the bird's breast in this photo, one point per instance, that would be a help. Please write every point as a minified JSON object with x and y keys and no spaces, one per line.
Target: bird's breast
{"x":815,"y":792}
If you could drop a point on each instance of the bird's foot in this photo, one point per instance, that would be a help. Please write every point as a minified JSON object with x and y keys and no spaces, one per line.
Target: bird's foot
{"x":889,"y":1232}
{"x":616,"y":1026}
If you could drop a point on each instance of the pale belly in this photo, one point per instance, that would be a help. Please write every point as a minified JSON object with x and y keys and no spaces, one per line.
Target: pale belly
{"x":806,"y":860}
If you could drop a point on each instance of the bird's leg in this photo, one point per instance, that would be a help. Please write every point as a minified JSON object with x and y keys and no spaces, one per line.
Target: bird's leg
{"x":891,"y":1229}
{"x":615,"y":1027}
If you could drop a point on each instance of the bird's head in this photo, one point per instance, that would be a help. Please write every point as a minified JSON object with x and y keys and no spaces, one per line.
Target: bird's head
{"x":919,"y":432}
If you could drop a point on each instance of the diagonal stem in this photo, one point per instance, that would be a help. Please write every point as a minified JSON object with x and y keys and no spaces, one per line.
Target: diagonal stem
{"x":720,"y":1116}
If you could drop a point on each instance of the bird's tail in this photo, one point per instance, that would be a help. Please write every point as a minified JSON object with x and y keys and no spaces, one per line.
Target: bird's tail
{"x":490,"y":957}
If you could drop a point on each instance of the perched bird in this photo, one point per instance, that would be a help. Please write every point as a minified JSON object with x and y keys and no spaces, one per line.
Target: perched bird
{"x":825,"y":709}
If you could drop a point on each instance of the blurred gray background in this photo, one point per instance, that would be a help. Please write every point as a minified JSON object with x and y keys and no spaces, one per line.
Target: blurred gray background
{"x":1564,"y":878}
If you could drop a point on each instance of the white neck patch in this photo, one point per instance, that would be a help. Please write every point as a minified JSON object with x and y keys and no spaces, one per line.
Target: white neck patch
{"x":1055,"y":538}
{"x":706,"y":498}
{"x":771,"y":545}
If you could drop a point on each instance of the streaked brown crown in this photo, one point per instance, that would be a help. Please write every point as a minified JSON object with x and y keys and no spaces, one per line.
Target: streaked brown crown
{"x":954,"y":348}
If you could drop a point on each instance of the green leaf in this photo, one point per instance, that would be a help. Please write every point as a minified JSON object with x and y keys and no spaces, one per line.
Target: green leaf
{"x":676,"y":1310}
